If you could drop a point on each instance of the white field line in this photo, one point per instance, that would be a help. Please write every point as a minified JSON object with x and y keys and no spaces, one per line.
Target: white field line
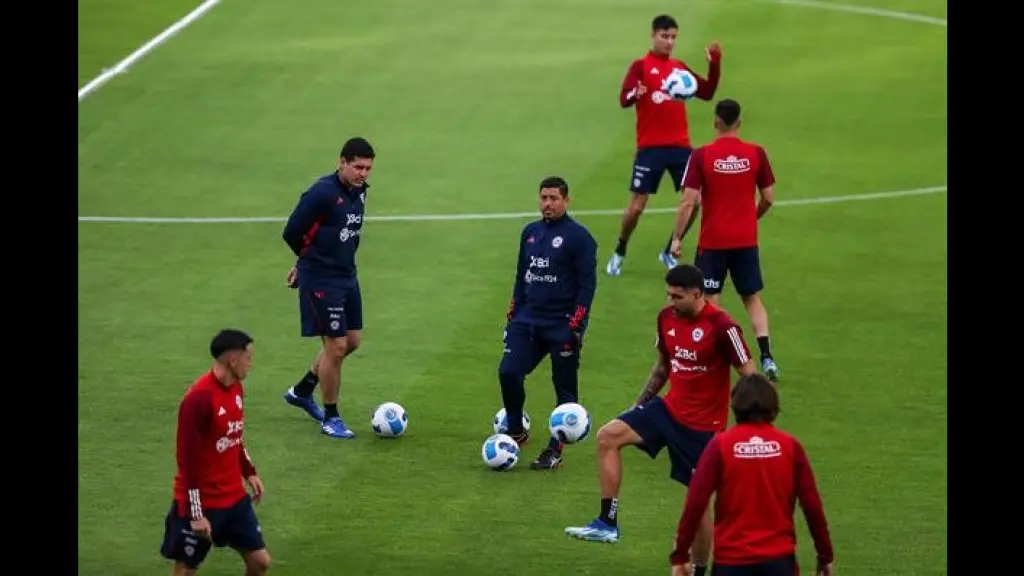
{"x":497,"y":215}
{"x":122,"y":66}
{"x":853,"y":9}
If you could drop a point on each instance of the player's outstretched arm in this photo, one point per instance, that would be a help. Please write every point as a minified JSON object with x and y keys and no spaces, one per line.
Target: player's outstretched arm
{"x":810,"y":502}
{"x":195,"y":416}
{"x":705,"y":482}
{"x":585,"y":268}
{"x":310,"y":209}
{"x":632,"y":85}
{"x":765,"y":184}
{"x":706,"y":87}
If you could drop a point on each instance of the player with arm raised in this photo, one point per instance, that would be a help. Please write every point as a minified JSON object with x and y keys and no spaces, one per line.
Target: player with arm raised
{"x":323,"y":232}
{"x":724,"y":177}
{"x":662,"y":128}
{"x":211,"y":506}
{"x":697,"y":343}
{"x":759,"y":473}
{"x":556,"y":278}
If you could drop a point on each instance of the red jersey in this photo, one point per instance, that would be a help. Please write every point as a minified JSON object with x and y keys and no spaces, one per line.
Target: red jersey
{"x":700,"y":351}
{"x":661,"y":120}
{"x":212,"y":459}
{"x":728,"y":172}
{"x":759,"y":472}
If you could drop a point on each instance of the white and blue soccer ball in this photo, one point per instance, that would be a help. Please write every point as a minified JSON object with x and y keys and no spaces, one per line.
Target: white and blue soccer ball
{"x":569,"y":423}
{"x":389,"y":420}
{"x":501,"y":422}
{"x":500,"y":452}
{"x":680,"y":84}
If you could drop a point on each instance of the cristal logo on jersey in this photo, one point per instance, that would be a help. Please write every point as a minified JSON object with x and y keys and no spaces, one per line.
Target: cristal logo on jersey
{"x":757,"y":447}
{"x":732,"y":165}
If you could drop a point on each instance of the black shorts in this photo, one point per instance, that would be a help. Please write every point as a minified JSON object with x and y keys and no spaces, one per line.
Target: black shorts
{"x":650,"y":164}
{"x":743,"y":265}
{"x":652,"y":422}
{"x":785,"y":566}
{"x":236,"y":527}
{"x":330,"y":312}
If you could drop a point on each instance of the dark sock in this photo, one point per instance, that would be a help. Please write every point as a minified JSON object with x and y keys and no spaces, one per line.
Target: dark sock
{"x":766,"y":349}
{"x":620,"y":248}
{"x":304,"y":388}
{"x":555,"y":445}
{"x":700,"y":570}
{"x":331,"y":411}
{"x":609,"y":511}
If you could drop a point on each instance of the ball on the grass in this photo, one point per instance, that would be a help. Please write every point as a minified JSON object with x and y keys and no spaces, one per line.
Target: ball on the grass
{"x":501,"y":422}
{"x":500,"y":452}
{"x":389,"y":420}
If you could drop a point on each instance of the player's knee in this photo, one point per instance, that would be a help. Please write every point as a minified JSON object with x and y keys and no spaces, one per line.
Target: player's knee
{"x":354,"y":339}
{"x":257,"y":563}
{"x":637,"y":204}
{"x":335,"y":349}
{"x":613,"y":435}
{"x":508,"y":374}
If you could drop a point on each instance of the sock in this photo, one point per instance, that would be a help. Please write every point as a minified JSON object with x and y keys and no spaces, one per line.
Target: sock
{"x":699,"y":570}
{"x":620,"y":248}
{"x":513,"y":396}
{"x":609,"y":511}
{"x":555,"y":445}
{"x":331,"y":411}
{"x":766,"y":349}
{"x":304,"y":388}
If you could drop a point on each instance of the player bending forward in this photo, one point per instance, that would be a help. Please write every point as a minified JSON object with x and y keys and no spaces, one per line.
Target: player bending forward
{"x":211,"y":506}
{"x":759,"y":473}
{"x":662,"y":128}
{"x":696,"y":342}
{"x":723,"y":177}
{"x":323,"y":231}
{"x":556,"y":278}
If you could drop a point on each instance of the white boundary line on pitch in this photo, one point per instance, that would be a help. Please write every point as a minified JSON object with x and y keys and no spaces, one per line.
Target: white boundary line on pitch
{"x":853,"y":9}
{"x":499,"y":215}
{"x":123,"y":66}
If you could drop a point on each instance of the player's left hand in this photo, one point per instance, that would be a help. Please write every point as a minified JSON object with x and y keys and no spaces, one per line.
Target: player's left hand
{"x":292,"y":280}
{"x":256,"y":487}
{"x":684,"y":570}
{"x":676,"y":249}
{"x":713,"y":52}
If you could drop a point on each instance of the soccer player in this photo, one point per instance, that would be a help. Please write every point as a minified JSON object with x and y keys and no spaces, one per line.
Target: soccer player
{"x":556,"y":277}
{"x":323,"y":232}
{"x":758,"y":473}
{"x":724,"y":176}
{"x":662,"y":128}
{"x":696,"y":343}
{"x":211,"y":506}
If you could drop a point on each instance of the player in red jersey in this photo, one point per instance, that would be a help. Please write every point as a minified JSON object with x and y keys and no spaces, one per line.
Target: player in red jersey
{"x":697,"y":343}
{"x":211,"y":506}
{"x":724,"y":177}
{"x":758,"y":473}
{"x":662,"y":129}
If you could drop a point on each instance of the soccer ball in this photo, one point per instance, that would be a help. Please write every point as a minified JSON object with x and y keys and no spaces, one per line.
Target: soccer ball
{"x":389,"y":420}
{"x":569,"y":423}
{"x":500,"y":452}
{"x":501,"y":422}
{"x":680,"y":84}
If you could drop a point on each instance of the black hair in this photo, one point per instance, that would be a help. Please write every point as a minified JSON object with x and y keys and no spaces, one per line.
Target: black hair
{"x":664,"y":22}
{"x":755,"y":399}
{"x":728,"y":111}
{"x":229,"y":340}
{"x":685,"y":276}
{"x":555,"y":182}
{"x":357,"y":148}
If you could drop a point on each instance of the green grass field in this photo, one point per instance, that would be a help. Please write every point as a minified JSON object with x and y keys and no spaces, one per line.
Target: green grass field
{"x":469,"y":105}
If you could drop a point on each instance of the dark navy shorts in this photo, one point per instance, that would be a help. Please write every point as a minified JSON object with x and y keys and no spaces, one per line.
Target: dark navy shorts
{"x":236,"y":527}
{"x":650,"y":164}
{"x":743,"y":265}
{"x":786,"y":566}
{"x":658,"y":430}
{"x":330,"y":312}
{"x":526,"y":345}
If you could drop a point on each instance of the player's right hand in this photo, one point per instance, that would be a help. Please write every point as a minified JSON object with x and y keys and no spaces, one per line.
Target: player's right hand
{"x":640,"y":90}
{"x":202,"y":528}
{"x":684,"y":570}
{"x":292,"y":279}
{"x":825,"y":569}
{"x":676,"y":249}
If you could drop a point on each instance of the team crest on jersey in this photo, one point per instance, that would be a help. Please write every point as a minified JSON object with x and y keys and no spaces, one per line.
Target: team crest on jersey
{"x":238,"y":401}
{"x":697,"y":334}
{"x":556,"y":241}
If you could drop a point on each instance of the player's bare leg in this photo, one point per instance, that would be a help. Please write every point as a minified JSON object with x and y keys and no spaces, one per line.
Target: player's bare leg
{"x":257,"y":562}
{"x":700,"y":552}
{"x":181,"y":569}
{"x":610,"y":440}
{"x":666,"y":257}
{"x":759,"y":322}
{"x":630,"y":219}
{"x":334,"y":352}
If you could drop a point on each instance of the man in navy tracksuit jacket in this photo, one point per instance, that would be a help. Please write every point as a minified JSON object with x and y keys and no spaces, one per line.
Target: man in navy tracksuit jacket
{"x":556,"y":278}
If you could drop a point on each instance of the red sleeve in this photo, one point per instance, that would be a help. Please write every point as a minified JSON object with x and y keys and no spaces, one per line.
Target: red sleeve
{"x":634,"y":76}
{"x":765,"y":176}
{"x":730,"y":339}
{"x":194,"y":418}
{"x":704,"y":483}
{"x":810,"y":502}
{"x":706,"y":87}
{"x":693,"y":176}
{"x":248,"y":468}
{"x":659,"y":342}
